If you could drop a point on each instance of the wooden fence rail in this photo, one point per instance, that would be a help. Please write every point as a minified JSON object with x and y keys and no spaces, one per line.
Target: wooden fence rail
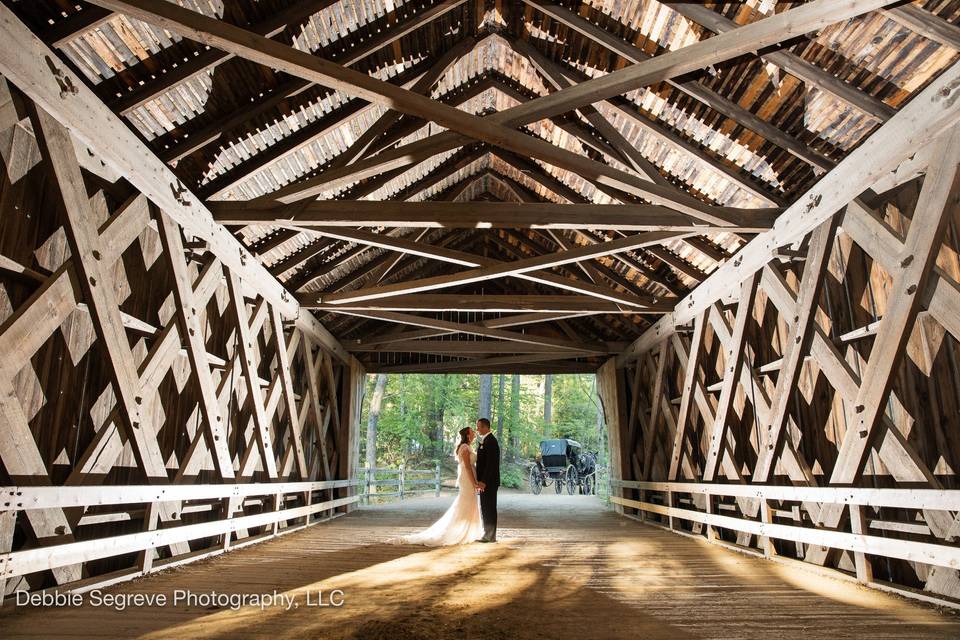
{"x":406,"y":481}
{"x":698,"y":504}
{"x":241,"y":514}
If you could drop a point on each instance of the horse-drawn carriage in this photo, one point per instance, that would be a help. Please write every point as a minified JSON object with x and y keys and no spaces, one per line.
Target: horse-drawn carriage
{"x":562,"y":463}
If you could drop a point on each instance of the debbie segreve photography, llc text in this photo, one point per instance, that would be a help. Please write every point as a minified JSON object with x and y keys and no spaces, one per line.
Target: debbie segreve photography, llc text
{"x":184,"y":598}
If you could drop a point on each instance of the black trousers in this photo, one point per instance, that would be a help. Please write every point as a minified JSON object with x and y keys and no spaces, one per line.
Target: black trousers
{"x":488,"y":512}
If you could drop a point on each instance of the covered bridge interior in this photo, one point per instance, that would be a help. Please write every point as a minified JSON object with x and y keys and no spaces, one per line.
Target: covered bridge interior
{"x":217,"y":216}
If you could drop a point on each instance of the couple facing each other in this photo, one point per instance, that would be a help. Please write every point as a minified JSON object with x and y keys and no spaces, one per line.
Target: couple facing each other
{"x":478,"y":473}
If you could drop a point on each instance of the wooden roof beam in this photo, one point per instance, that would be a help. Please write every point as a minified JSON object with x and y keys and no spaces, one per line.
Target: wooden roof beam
{"x":170,"y":78}
{"x":470,"y":260}
{"x":478,"y":330}
{"x":296,"y":140}
{"x":432,"y":302}
{"x":175,"y":150}
{"x":497,"y":130}
{"x":932,"y":112}
{"x":506,"y":365}
{"x":470,"y":215}
{"x":27,"y":62}
{"x":925,"y":23}
{"x":517,"y":320}
{"x":700,"y":92}
{"x":516,"y":268}
{"x":74,"y":25}
{"x":468,"y":347}
{"x":791,"y":62}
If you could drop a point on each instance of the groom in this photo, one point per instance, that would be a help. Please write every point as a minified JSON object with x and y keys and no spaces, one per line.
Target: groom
{"x":488,"y":479}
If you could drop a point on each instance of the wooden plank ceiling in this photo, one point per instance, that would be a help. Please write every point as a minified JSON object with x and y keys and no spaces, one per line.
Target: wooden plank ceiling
{"x":569,"y":251}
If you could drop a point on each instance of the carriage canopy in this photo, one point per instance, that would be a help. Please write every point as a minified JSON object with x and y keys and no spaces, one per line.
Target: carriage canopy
{"x":557,"y":453}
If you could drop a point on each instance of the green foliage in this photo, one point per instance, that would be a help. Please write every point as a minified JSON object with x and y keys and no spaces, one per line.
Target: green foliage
{"x":513,"y":475}
{"x":422,"y":413}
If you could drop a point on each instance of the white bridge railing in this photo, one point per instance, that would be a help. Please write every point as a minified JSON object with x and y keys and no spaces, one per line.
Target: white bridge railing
{"x":798,"y":514}
{"x":177,"y":524}
{"x":400,"y":482}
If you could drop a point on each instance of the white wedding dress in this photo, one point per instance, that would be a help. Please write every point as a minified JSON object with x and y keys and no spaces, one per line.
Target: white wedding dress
{"x":461,"y":523}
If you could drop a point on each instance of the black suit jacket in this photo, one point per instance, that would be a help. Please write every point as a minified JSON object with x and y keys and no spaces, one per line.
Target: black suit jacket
{"x":488,"y":462}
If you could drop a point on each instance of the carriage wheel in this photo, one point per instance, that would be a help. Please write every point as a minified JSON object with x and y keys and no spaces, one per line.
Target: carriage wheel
{"x":573,"y":480}
{"x":558,"y":484}
{"x":536,"y":481}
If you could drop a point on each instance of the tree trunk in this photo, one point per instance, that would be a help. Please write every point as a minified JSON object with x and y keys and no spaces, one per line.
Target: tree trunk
{"x":547,"y":399}
{"x":376,"y":403}
{"x":486,"y":395}
{"x":501,"y":392}
{"x":514,"y":410}
{"x":438,"y":405}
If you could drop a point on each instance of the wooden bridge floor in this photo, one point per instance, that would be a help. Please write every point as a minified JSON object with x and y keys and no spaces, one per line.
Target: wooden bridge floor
{"x":565,"y":568}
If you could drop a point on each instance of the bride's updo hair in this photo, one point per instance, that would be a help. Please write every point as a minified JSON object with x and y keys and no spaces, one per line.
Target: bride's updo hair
{"x":464,"y":439}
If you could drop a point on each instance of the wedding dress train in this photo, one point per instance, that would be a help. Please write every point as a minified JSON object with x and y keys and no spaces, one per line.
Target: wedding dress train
{"x":461,"y":523}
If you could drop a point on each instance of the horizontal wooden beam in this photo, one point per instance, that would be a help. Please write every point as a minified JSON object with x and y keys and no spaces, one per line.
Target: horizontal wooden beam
{"x":493,"y":323}
{"x":488,"y":365}
{"x":483,"y":303}
{"x":478,"y":215}
{"x":455,"y":366}
{"x":463,"y":258}
{"x":467,"y":347}
{"x":477,"y":330}
{"x":506,"y":269}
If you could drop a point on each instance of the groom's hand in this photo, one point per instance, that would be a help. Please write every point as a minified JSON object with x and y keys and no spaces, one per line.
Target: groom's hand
{"x":481,"y":486}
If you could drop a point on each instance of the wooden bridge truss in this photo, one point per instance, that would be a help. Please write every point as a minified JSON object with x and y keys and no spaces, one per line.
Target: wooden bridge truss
{"x":216,"y":220}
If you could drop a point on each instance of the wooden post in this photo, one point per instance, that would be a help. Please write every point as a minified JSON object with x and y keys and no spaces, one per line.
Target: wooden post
{"x":858,"y":525}
{"x":766,"y":542}
{"x":277,"y":505}
{"x":438,"y":479}
{"x":8,"y":521}
{"x":711,"y":532}
{"x":400,"y":480}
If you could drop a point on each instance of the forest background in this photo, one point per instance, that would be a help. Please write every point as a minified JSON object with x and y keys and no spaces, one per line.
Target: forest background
{"x":413,"y":419}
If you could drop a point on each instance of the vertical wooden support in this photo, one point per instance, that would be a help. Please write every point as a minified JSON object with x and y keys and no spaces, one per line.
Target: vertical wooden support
{"x":711,"y":532}
{"x":192,"y":331}
{"x":348,"y":460}
{"x":151,"y":519}
{"x":612,"y":399}
{"x":252,"y":377}
{"x":96,"y":282}
{"x":858,"y":525}
{"x":437,"y":472}
{"x":277,"y":506}
{"x":648,"y":445}
{"x":691,"y":381}
{"x":400,"y":481}
{"x":766,"y":517}
{"x":797,"y":345}
{"x":938,"y":200}
{"x":732,"y":365}
{"x":283,"y":370}
{"x":8,"y":522}
{"x":229,"y":506}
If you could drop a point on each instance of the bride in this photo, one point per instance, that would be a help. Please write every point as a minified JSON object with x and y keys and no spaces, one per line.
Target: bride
{"x":461,"y":523}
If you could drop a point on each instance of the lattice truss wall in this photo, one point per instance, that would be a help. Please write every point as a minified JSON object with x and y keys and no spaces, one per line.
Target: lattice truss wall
{"x":834,"y":365}
{"x":166,"y":407}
